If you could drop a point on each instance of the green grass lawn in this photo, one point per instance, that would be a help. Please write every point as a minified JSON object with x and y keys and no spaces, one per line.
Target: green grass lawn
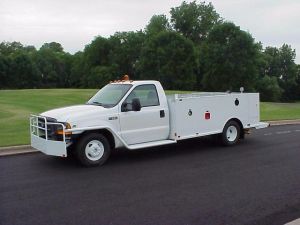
{"x":17,"y":105}
{"x":279,"y":111}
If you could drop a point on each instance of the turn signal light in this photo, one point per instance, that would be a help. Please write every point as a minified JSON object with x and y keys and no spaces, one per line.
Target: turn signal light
{"x":61,"y":132}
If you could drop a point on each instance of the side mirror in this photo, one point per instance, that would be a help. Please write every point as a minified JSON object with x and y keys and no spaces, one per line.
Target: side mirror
{"x":124,"y":107}
{"x":136,"y":104}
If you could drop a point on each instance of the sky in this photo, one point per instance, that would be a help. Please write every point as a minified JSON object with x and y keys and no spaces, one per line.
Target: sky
{"x":75,"y":23}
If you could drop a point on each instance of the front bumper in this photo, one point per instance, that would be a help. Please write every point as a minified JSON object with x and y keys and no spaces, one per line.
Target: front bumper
{"x":42,"y":140}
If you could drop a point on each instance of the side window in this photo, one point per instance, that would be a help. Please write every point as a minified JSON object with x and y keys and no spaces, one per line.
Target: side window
{"x":146,"y":93}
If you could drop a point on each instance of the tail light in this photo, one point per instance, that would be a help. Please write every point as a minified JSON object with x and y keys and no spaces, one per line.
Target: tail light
{"x":207,"y":115}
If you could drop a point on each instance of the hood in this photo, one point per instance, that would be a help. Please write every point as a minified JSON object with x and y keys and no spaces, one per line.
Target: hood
{"x":73,"y":112}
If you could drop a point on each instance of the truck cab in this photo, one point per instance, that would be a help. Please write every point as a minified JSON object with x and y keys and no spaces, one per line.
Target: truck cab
{"x":143,"y":113}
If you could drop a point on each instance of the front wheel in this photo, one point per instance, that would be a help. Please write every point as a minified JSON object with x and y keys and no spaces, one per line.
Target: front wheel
{"x":231,"y":133}
{"x":93,"y":149}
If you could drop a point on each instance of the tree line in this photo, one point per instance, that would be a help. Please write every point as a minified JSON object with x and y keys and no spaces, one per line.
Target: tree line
{"x":195,"y":49}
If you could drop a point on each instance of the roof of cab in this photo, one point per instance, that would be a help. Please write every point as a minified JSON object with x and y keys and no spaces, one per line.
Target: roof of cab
{"x":135,"y":82}
{"x":126,"y":80}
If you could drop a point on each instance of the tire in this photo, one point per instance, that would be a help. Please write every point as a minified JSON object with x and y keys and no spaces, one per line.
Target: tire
{"x":231,"y":133}
{"x":71,"y":152}
{"x":93,"y":150}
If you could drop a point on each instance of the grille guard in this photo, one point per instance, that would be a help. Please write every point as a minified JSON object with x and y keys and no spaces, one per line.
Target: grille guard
{"x":40,"y":138}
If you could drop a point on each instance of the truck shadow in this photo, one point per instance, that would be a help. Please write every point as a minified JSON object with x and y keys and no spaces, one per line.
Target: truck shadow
{"x":183,"y":149}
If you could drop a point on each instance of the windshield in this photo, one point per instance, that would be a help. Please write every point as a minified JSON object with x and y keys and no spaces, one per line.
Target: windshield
{"x":110,"y":95}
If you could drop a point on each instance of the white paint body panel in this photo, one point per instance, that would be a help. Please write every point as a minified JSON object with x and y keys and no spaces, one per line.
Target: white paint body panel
{"x":221,"y":107}
{"x":55,"y":148}
{"x":144,"y":126}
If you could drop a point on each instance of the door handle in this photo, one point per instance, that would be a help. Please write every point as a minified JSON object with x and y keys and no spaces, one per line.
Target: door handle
{"x":162,"y":113}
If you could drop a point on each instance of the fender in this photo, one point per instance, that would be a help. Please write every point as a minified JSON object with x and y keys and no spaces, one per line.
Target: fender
{"x":117,"y":137}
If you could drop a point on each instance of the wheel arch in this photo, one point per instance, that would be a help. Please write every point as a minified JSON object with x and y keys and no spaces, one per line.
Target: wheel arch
{"x":110,"y":137}
{"x":239,"y":123}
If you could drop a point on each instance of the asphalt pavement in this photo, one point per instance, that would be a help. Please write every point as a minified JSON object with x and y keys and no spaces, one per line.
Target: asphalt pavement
{"x":192,"y":182}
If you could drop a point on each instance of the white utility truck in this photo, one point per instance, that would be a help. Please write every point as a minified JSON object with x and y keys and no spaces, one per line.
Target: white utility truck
{"x":138,"y":114}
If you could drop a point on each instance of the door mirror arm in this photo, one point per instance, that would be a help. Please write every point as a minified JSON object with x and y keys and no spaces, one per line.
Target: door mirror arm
{"x":136,"y":104}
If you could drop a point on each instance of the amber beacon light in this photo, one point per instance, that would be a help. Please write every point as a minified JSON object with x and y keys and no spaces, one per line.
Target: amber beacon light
{"x":125,"y":77}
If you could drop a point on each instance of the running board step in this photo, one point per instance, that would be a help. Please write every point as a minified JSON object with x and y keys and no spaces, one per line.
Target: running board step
{"x":151,"y":144}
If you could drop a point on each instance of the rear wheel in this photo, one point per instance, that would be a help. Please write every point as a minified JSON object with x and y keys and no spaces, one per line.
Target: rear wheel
{"x":231,"y":133}
{"x":93,"y":149}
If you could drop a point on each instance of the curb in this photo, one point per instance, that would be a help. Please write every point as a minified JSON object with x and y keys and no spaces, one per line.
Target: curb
{"x":14,"y":150}
{"x":283,"y":122}
{"x":24,"y":149}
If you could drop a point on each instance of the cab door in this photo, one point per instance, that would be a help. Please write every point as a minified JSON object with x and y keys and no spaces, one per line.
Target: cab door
{"x":151,"y":123}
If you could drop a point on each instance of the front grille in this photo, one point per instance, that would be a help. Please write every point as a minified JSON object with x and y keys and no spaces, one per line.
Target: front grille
{"x":51,"y":128}
{"x":54,"y":129}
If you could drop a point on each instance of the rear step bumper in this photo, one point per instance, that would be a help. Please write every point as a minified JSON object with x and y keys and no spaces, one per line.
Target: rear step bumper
{"x":261,"y":125}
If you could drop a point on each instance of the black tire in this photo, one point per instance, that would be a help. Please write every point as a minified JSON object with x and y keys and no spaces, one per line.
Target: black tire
{"x":93,"y":149}
{"x":231,"y":133}
{"x":71,"y":152}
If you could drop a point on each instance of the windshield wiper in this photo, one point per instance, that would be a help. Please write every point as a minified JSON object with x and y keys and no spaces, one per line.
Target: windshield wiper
{"x":97,"y":103}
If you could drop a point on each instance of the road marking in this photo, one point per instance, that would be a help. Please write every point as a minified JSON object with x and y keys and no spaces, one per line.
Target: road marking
{"x":283,"y":132}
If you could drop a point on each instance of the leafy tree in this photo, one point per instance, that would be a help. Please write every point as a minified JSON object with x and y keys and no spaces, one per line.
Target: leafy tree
{"x":99,"y":76}
{"x":158,"y":23}
{"x":194,"y":50}
{"x":17,"y":69}
{"x":97,"y":53}
{"x":45,"y":61}
{"x":280,"y":63}
{"x":194,"y":20}
{"x":8,"y":48}
{"x":77,"y":72}
{"x":54,"y":67}
{"x":272,"y":62}
{"x":125,"y":52}
{"x":29,"y":49}
{"x":288,"y":72}
{"x":266,"y":84}
{"x":169,"y":58}
{"x":96,"y":57}
{"x":66,"y":62}
{"x":231,"y":59}
{"x":53,"y":46}
{"x":298,"y":83}
{"x":24,"y":71}
{"x":4,"y":72}
{"x":269,"y":89}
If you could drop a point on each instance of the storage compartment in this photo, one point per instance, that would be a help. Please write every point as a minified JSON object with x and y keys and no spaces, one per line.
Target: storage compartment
{"x":201,"y":114}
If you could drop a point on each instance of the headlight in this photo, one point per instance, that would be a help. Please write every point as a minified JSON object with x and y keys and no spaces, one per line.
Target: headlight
{"x":60,"y":131}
